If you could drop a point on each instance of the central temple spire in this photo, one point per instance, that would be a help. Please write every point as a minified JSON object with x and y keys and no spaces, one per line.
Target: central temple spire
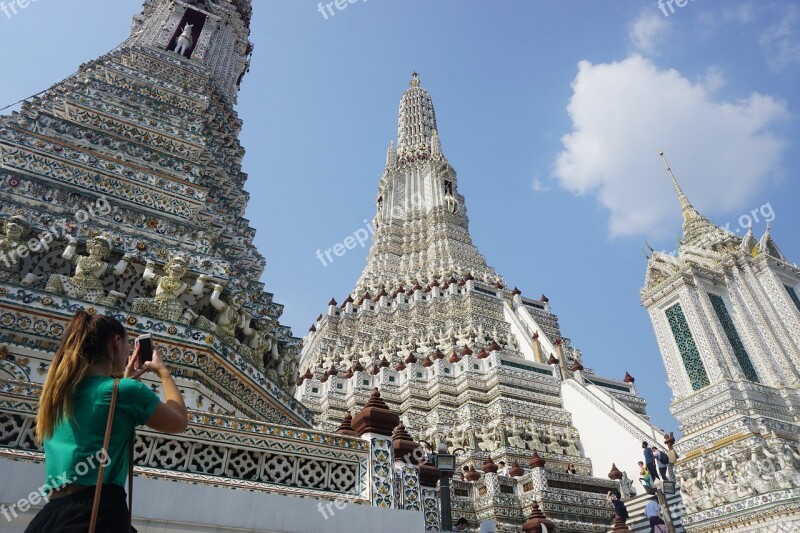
{"x":417,"y":121}
{"x":421,"y":227}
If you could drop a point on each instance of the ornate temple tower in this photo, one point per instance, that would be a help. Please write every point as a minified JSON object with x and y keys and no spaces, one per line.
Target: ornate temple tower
{"x":121,"y":193}
{"x":467,"y":361}
{"x":726,"y":315}
{"x":129,"y":175}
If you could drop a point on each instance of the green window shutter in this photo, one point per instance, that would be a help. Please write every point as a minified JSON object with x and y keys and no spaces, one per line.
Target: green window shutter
{"x":687,"y":347}
{"x":733,"y":337}
{"x":793,"y":296}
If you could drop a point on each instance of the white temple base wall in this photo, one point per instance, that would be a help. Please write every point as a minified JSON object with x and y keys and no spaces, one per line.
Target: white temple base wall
{"x":172,"y":507}
{"x":610,"y":432}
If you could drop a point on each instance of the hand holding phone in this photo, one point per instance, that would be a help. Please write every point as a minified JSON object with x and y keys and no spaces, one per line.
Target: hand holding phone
{"x":144,"y":348}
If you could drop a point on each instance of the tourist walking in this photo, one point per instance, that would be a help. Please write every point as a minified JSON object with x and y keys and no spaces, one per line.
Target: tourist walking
{"x":652,"y":511}
{"x":673,"y":458}
{"x":650,"y":461}
{"x":662,"y":461}
{"x":619,"y":507}
{"x":644,"y":477}
{"x":74,"y":409}
{"x":571,"y":469}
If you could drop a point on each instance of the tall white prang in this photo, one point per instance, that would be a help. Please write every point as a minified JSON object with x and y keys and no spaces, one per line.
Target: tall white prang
{"x":726,"y":315}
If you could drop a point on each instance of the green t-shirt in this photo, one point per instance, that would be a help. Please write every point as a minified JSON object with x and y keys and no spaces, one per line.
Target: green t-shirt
{"x":74,"y":452}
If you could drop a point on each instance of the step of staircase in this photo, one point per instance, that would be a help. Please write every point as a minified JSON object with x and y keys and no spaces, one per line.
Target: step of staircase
{"x":639,"y":523}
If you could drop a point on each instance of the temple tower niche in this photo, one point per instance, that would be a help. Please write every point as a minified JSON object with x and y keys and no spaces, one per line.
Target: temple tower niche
{"x":220,"y":35}
{"x":726,"y":315}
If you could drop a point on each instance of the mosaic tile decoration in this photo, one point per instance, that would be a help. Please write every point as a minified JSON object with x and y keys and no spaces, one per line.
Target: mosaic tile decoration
{"x":687,"y":347}
{"x":382,"y":472}
{"x":733,"y":337}
{"x":430,"y":504}
{"x":409,"y":488}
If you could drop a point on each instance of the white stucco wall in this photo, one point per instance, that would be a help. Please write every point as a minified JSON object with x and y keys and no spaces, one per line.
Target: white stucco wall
{"x":604,"y":438}
{"x":167,"y":507}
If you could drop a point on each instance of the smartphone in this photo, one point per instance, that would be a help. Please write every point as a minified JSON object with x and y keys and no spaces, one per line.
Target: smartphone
{"x":145,"y":344}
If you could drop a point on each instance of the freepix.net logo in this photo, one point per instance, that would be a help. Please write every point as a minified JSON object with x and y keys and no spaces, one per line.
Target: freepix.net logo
{"x":11,"y":8}
{"x":670,"y":5}
{"x":326,"y":9}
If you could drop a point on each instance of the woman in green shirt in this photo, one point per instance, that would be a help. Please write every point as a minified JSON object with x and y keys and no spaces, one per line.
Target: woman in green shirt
{"x":71,"y":423}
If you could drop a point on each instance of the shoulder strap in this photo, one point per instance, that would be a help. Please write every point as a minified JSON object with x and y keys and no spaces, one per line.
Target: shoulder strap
{"x":101,"y":469}
{"x":130,"y":479}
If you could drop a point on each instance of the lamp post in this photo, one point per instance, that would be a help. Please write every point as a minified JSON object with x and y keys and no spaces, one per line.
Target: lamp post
{"x":446,"y":463}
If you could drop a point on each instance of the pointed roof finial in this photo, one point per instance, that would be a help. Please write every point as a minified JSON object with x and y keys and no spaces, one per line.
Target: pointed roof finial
{"x":689,"y":212}
{"x":414,"y":79}
{"x":749,"y":244}
{"x":391,"y":155}
{"x":767,"y":245}
{"x":436,"y":144}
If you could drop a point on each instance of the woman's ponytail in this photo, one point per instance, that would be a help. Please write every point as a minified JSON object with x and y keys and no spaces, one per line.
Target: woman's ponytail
{"x":70,"y":365}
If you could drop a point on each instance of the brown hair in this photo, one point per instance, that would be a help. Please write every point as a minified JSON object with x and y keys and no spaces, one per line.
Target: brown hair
{"x":84,"y":343}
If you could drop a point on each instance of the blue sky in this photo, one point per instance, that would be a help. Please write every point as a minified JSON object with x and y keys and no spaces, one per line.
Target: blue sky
{"x":552,"y":113}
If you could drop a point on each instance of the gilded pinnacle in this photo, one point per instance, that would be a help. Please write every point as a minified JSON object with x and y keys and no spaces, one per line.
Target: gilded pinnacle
{"x":689,"y":212}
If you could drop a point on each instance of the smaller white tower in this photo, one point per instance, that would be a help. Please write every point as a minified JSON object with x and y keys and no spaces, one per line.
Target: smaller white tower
{"x":726,"y":316}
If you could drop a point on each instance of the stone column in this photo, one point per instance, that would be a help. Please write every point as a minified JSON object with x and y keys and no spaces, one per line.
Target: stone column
{"x":429,"y":477}
{"x":407,"y":455}
{"x":555,"y":365}
{"x":537,"y":348}
{"x":538,"y":476}
{"x":374,"y":423}
{"x":561,"y":362}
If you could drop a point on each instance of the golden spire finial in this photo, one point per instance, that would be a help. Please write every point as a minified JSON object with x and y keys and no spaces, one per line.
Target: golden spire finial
{"x":687,"y":208}
{"x":415,"y":79}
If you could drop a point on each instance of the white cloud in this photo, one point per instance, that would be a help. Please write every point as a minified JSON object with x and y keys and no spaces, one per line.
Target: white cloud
{"x":781,"y":40}
{"x":646,"y":30}
{"x":744,"y":13}
{"x":714,"y":79}
{"x":624,"y":112}
{"x":777,"y":25}
{"x":539,"y":185}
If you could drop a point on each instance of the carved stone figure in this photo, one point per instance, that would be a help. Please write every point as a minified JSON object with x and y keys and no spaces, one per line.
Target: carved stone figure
{"x":552,"y":444}
{"x":488,"y":442}
{"x":170,"y":287}
{"x":501,"y":434}
{"x":87,"y":283}
{"x":534,"y":442}
{"x":571,"y":441}
{"x":185,"y":41}
{"x":262,"y":344}
{"x":230,"y":315}
{"x":626,"y":487}
{"x":514,"y":437}
{"x":15,"y":231}
{"x":451,"y":203}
